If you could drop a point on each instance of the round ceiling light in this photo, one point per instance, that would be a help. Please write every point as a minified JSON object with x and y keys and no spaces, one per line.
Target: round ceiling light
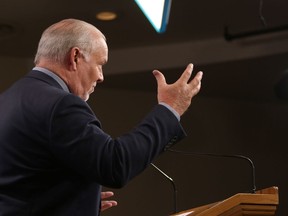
{"x":106,"y":15}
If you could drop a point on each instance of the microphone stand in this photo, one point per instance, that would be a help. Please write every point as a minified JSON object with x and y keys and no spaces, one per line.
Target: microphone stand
{"x":173,"y":184}
{"x":223,"y":155}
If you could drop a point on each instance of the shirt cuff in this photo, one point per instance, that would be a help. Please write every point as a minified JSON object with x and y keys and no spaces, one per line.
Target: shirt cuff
{"x":171,"y":109}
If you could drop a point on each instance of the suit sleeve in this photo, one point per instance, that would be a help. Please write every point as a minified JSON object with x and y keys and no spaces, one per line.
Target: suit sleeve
{"x":77,"y":140}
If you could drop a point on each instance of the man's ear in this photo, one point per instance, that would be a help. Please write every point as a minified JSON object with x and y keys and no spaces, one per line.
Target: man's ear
{"x":74,"y":57}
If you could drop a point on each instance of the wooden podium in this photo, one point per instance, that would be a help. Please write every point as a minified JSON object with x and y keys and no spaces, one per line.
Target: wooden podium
{"x":261,"y":203}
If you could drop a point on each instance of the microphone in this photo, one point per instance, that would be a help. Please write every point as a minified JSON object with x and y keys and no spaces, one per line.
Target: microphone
{"x":173,"y":184}
{"x":223,"y":155}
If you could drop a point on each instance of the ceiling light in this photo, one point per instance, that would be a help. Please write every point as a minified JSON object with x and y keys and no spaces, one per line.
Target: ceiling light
{"x":157,"y":12}
{"x":106,"y":16}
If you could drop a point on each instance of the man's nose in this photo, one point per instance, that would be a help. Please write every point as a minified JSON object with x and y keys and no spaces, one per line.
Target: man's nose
{"x":101,"y":77}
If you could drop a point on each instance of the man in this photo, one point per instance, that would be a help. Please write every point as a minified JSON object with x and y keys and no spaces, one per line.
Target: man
{"x":54,"y":157}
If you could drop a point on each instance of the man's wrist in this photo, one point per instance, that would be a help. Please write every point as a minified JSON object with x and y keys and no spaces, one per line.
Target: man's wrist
{"x":171,"y":109}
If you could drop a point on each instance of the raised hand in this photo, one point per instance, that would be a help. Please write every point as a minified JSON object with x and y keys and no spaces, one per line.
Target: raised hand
{"x":179,"y":94}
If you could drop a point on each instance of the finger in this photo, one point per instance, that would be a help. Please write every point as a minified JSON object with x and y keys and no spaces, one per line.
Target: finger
{"x":160,"y":78}
{"x":105,"y":206}
{"x":187,"y":73}
{"x":195,"y":83}
{"x":106,"y":194}
{"x":199,"y":76}
{"x":108,"y":204}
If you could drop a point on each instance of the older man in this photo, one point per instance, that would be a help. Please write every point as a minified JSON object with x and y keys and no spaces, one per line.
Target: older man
{"x":54,"y":156}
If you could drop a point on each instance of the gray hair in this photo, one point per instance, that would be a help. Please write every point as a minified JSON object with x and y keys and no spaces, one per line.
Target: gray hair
{"x":58,"y":39}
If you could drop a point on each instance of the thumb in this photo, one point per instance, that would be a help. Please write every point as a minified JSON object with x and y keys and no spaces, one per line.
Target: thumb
{"x":160,"y":78}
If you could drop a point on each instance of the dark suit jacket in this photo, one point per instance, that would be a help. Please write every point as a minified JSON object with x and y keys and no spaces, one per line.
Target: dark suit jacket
{"x":54,"y":157}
